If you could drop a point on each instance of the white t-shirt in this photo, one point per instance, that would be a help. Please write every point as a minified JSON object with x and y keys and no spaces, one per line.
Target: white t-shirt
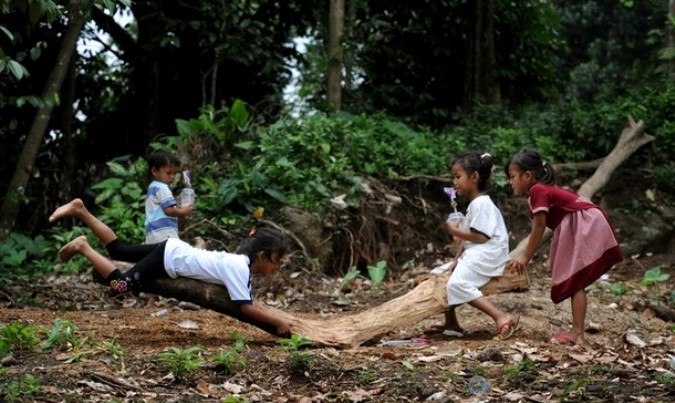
{"x":487,"y":258}
{"x":222,"y":268}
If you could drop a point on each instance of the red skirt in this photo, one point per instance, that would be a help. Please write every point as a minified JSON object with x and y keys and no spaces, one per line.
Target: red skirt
{"x":583,"y":248}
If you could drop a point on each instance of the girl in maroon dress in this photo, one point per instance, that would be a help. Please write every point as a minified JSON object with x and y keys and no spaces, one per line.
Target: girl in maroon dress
{"x":583,"y":245}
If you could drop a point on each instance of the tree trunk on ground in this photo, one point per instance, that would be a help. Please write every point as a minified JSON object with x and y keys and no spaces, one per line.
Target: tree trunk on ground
{"x":24,"y":166}
{"x":336,"y":28}
{"x":427,"y":299}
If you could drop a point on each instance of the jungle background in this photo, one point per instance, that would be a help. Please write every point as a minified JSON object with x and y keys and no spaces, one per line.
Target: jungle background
{"x":334,"y":121}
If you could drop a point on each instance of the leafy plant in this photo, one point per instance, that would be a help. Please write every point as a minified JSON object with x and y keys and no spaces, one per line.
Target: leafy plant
{"x":181,"y":362}
{"x":229,"y":361}
{"x":17,"y":249}
{"x":240,"y":341}
{"x":298,"y":360}
{"x":349,"y":276}
{"x":18,"y":336}
{"x":618,"y":288}
{"x":19,"y":390}
{"x":62,"y":332}
{"x":522,"y":373}
{"x":377,"y":272}
{"x":122,"y":197}
{"x":654,"y":276}
{"x":294,"y":343}
{"x":236,"y":399}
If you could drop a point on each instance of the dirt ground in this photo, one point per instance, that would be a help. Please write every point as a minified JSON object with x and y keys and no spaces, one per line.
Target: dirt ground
{"x":631,"y":352}
{"x":119,"y":348}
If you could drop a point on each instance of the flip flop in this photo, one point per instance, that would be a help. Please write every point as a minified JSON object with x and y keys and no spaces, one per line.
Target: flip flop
{"x":507,"y":329}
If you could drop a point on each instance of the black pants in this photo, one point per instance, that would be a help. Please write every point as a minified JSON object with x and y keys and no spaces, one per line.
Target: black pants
{"x":149,"y":265}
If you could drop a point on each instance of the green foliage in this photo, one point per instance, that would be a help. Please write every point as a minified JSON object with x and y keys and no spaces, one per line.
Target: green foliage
{"x":229,"y":361}
{"x":227,"y":125}
{"x":377,"y":272}
{"x":181,"y":362}
{"x":121,"y":198}
{"x":16,"y":250}
{"x":654,"y":276}
{"x":294,"y":343}
{"x":236,"y":399}
{"x":19,"y":390}
{"x":19,"y":336}
{"x":298,"y":360}
{"x":240,"y":341}
{"x":349,"y":276}
{"x":522,"y":373}
{"x":618,"y":288}
{"x":62,"y":332}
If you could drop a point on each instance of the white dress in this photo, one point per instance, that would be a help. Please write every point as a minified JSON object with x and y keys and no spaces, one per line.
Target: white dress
{"x":479,"y":261}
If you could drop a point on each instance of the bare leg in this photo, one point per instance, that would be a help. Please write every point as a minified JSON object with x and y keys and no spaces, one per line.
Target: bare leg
{"x":451,"y":323}
{"x":75,"y":208}
{"x":503,"y":320}
{"x":79,"y":245}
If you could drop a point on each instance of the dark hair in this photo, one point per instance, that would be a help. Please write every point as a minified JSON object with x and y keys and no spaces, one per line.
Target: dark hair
{"x":267,"y":240}
{"x":473,"y":161}
{"x":528,"y":159}
{"x":159,"y":158}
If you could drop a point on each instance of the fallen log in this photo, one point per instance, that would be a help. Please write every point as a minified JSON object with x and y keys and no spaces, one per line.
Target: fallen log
{"x":427,"y":299}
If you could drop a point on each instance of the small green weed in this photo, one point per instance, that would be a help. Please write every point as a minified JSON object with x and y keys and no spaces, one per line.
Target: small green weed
{"x":522,"y":373}
{"x":618,"y":288}
{"x":654,"y":276}
{"x":298,"y":360}
{"x":62,"y":332}
{"x":20,"y":390}
{"x":18,"y":336}
{"x":664,"y":379}
{"x":113,"y":348}
{"x":377,"y":272}
{"x":182,"y":363}
{"x":236,"y":399}
{"x":294,"y":343}
{"x":349,"y":276}
{"x":365,"y":376}
{"x":239,"y":341}
{"x":229,"y":361}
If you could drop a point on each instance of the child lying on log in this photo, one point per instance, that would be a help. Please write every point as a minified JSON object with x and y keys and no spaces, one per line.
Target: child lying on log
{"x":261,"y":253}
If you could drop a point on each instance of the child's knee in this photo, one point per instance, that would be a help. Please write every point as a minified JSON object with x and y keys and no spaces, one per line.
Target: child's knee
{"x":123,"y":282}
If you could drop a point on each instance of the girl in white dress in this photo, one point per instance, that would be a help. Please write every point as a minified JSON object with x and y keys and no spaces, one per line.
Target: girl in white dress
{"x":484,"y":249}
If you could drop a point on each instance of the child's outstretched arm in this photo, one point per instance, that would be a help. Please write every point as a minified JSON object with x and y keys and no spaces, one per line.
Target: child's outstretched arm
{"x":536,"y":235}
{"x":254,"y":312}
{"x":176,"y":211}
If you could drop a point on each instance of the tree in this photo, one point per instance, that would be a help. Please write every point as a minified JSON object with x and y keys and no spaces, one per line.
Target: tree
{"x":17,"y":185}
{"x":336,"y":30}
{"x":481,"y":82}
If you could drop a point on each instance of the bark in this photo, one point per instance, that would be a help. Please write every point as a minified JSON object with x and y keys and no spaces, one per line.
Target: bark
{"x":35,"y":137}
{"x":481,"y":83}
{"x":671,"y":35}
{"x":336,"y":30}
{"x":632,"y":138}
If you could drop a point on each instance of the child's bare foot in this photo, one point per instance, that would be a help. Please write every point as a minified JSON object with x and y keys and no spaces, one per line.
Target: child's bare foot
{"x":569,"y":338}
{"x":67,"y":210}
{"x":506,"y":329}
{"x":71,"y":248}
